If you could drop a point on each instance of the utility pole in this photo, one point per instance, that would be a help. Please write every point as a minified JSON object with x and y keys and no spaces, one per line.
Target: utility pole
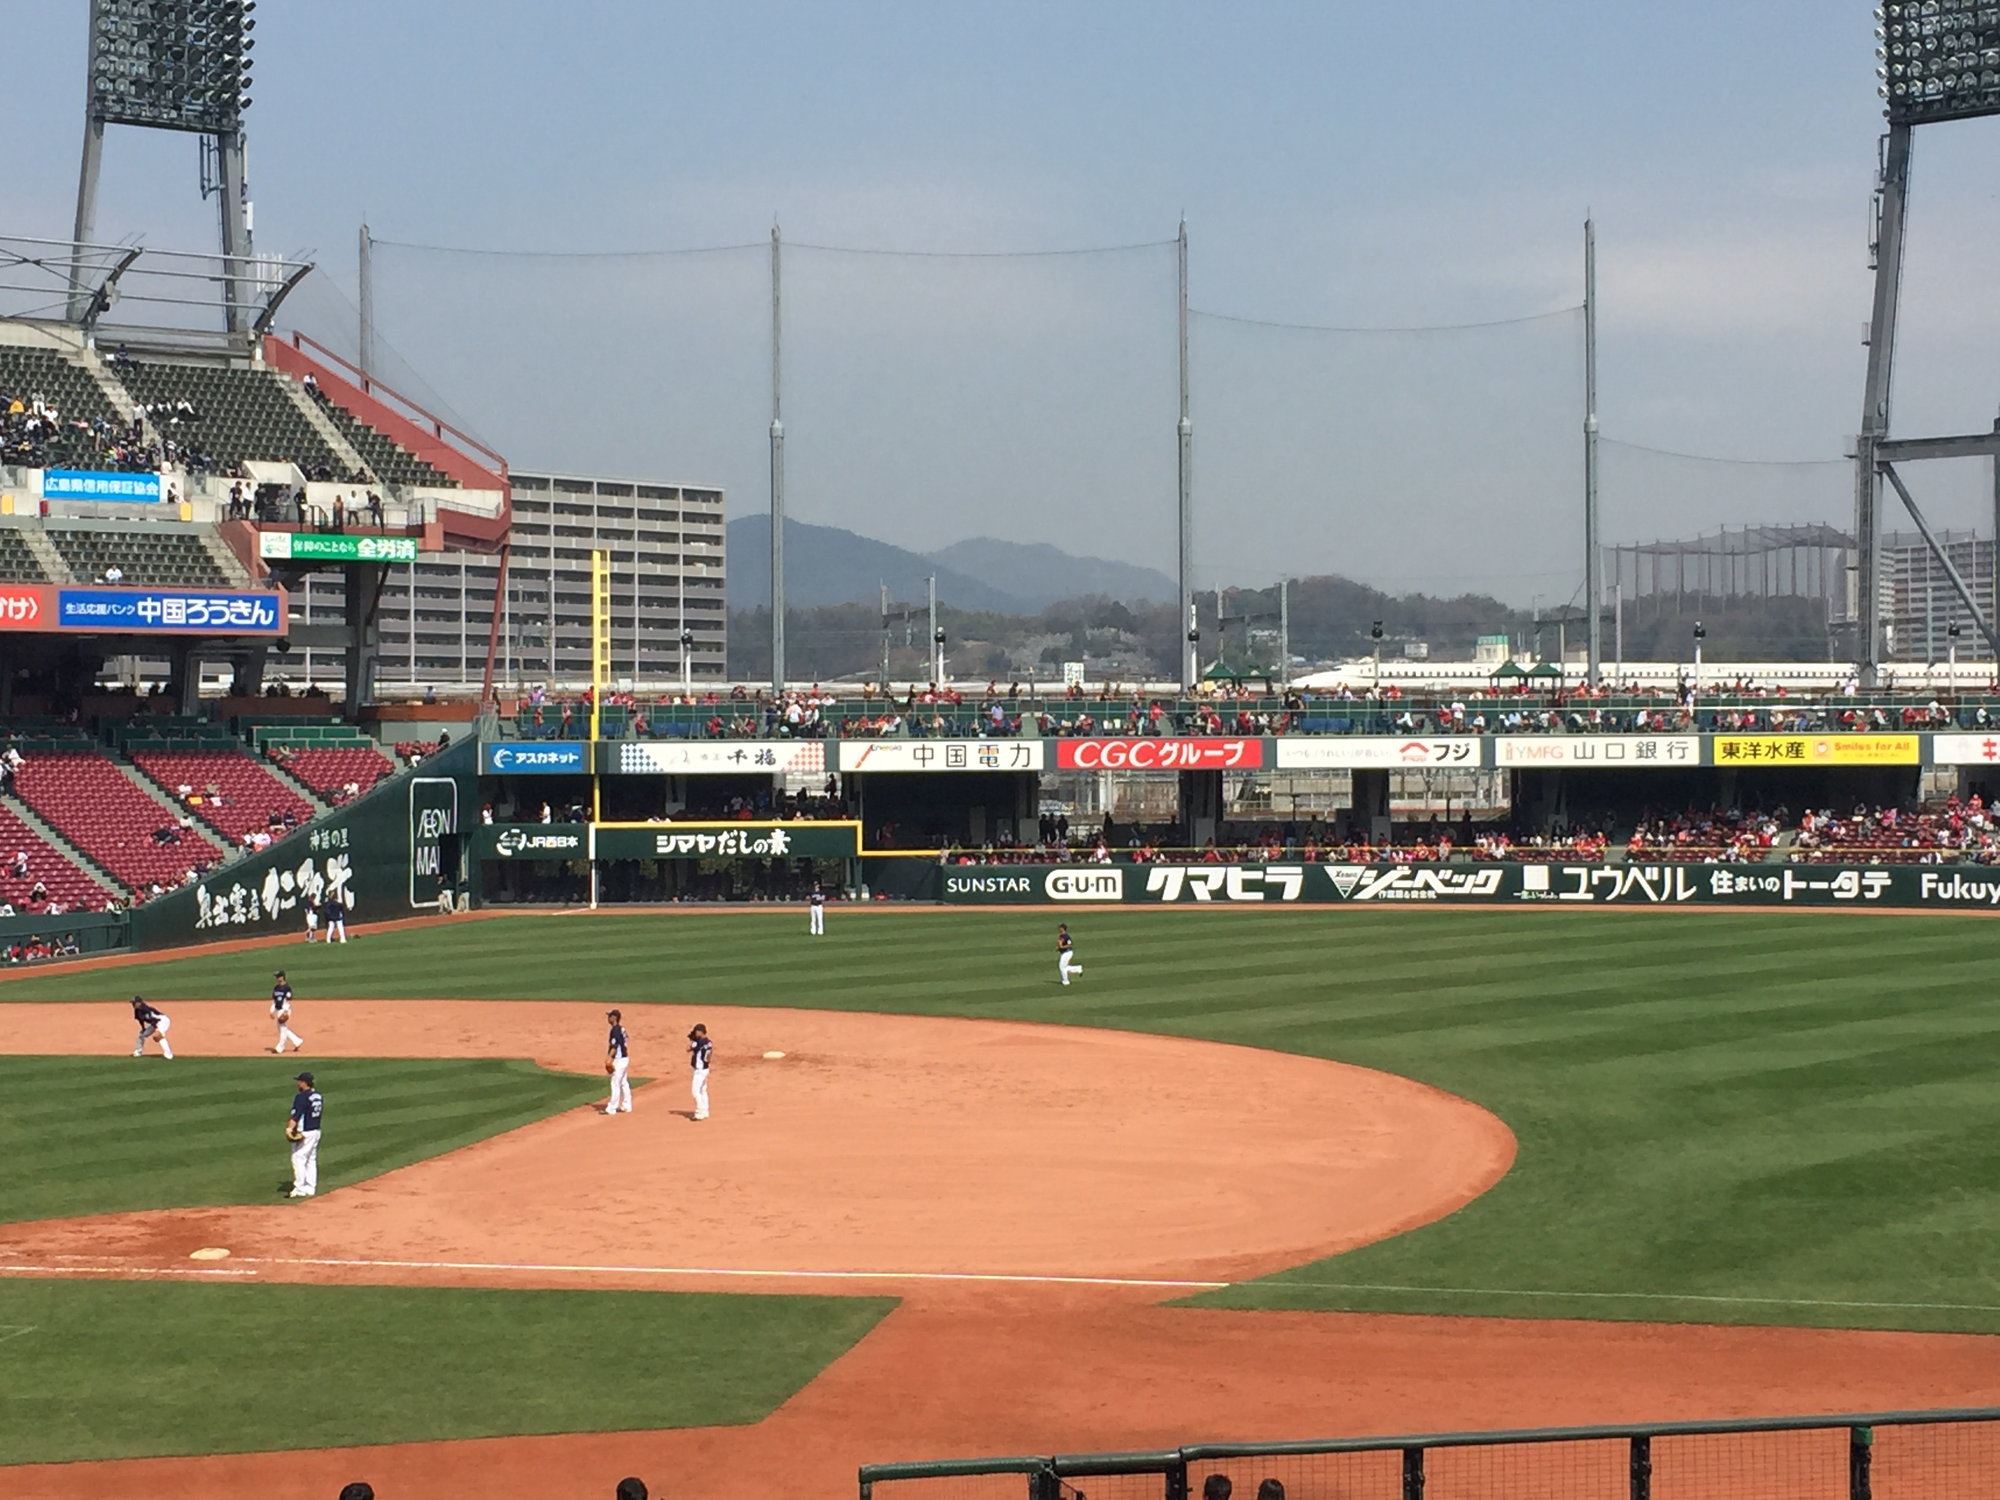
{"x":937,"y":639}
{"x":1593,"y":581}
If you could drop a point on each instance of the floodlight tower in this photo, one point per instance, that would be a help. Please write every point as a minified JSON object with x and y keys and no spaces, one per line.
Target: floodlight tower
{"x":175,"y":65}
{"x":1937,"y":60}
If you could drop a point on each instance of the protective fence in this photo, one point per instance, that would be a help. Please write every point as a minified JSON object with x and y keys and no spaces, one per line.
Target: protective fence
{"x":1878,"y":1456}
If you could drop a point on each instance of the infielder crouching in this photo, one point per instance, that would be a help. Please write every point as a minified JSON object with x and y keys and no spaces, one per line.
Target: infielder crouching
{"x":152,"y":1024}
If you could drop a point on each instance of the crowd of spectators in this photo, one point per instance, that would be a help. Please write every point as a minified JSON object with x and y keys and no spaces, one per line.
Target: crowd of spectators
{"x":30,"y":950}
{"x":35,"y":434}
{"x":1956,"y":830}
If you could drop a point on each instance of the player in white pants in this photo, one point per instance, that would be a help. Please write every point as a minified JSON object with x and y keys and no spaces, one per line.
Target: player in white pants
{"x":1066,"y":963}
{"x":152,"y":1024}
{"x":617,"y":1062}
{"x":302,"y":1130}
{"x":700,"y":1051}
{"x":818,"y":904}
{"x":281,"y":1013}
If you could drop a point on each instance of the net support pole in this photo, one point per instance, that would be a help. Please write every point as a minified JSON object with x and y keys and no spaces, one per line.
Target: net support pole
{"x":777,"y":466}
{"x":1593,"y":569}
{"x":1284,"y":635}
{"x":237,"y":247}
{"x":1639,"y":1469}
{"x":1860,"y":1463}
{"x":1892,"y":195}
{"x":80,"y":296}
{"x":365,"y":285}
{"x":1190,"y":661}
{"x":1951,"y":573}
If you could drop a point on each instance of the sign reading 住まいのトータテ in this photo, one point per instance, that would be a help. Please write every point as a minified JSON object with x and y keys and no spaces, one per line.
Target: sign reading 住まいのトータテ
{"x":314,"y":546}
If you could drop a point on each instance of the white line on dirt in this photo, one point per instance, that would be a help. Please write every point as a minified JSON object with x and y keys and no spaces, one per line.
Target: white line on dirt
{"x":130,"y":1268}
{"x":1488,"y":1291}
{"x":734,"y":1272}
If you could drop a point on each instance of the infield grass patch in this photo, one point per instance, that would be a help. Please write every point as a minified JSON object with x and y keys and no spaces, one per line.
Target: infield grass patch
{"x":1723,"y":1116}
{"x":116,"y":1369}
{"x":91,"y":1135}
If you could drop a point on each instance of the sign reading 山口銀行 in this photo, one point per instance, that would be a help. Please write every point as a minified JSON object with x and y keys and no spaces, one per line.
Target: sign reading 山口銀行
{"x":88,"y":484}
{"x":534,"y":758}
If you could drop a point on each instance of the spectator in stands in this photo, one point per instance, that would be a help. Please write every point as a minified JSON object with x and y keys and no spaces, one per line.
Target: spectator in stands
{"x":20,"y":866}
{"x":312,"y":387}
{"x":375,"y":510}
{"x":339,"y":512}
{"x":1271,"y":1489}
{"x":630,"y":1488}
{"x":360,"y":1489}
{"x":68,"y":947}
{"x":1216,"y":1487}
{"x":114,"y":574}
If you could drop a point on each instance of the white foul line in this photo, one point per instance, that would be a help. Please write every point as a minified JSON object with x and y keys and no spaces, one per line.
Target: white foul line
{"x":1485,"y":1291}
{"x":128,"y":1269}
{"x":571,"y":1270}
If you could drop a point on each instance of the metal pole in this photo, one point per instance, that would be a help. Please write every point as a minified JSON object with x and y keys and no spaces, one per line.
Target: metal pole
{"x":681,"y":629}
{"x":777,"y":469}
{"x":885,"y":638}
{"x":1593,"y":581}
{"x":86,"y":201}
{"x":1993,"y":598}
{"x":1958,"y":583}
{"x":1284,"y":635}
{"x":1191,"y":665}
{"x":233,"y":153}
{"x":937,"y":656}
{"x":367,"y":290}
{"x":1618,"y":622}
{"x":1891,"y":197}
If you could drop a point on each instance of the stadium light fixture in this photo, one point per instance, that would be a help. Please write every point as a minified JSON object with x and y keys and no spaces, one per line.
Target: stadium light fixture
{"x":1937,"y":59}
{"x":171,"y":64}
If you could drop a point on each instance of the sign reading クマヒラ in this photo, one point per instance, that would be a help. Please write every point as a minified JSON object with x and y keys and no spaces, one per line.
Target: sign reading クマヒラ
{"x":313,"y":546}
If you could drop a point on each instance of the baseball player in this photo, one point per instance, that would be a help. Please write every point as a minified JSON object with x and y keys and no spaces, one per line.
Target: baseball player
{"x":334,"y":914}
{"x":700,"y":1051}
{"x":818,"y":903}
{"x":152,"y":1023}
{"x":281,"y":1013}
{"x":1066,"y":963}
{"x":302,"y":1130}
{"x":617,"y":1060}
{"x":312,"y":917}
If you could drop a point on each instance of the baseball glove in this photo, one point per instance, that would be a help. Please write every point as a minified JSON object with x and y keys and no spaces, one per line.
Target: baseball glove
{"x":292,"y":1131}
{"x":608,"y":1067}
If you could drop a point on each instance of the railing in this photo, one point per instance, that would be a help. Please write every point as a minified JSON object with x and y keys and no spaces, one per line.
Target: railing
{"x":1910,"y":1455}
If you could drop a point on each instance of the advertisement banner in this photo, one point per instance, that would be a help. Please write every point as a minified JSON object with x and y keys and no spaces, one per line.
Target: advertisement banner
{"x":531,"y":841}
{"x":1816,"y":749}
{"x":1360,"y":752}
{"x":434,"y":842}
{"x":727,"y":840}
{"x":1965,"y":749}
{"x":533,"y":758}
{"x":27,"y":606}
{"x":714,"y":757}
{"x":1966,"y":887}
{"x":941,"y":755}
{"x":89,"y":484}
{"x":1599,"y":751}
{"x":1151,"y":754}
{"x":312,"y":546}
{"x":146,"y":611}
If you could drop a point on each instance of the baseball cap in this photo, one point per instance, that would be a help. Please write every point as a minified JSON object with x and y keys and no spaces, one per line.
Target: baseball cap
{"x":302,"y":1078}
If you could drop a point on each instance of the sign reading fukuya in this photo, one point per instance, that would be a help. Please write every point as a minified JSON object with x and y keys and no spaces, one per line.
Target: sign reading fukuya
{"x":1357,"y":752}
{"x":940,"y":755}
{"x":88,"y":484}
{"x":312,"y":546}
{"x":137,"y":611}
{"x":720,"y":757}
{"x":1146,"y":754}
{"x":1641,"y":751}
{"x":534,"y":758}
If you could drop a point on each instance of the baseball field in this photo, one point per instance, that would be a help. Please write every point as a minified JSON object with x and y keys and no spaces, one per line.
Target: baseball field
{"x":1255,"y":1175}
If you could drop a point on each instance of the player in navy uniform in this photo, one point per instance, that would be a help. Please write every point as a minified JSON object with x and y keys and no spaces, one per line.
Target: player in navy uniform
{"x":700,"y":1052}
{"x":302,"y":1130}
{"x":334,"y":914}
{"x":281,"y":1013}
{"x":152,"y":1023}
{"x":1066,"y":963}
{"x":617,"y":1060}
{"x":818,"y":900}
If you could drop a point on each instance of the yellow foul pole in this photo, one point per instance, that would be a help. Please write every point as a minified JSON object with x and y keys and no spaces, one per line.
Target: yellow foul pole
{"x":600,"y":663}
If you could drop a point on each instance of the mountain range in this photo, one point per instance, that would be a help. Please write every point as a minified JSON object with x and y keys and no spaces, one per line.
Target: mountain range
{"x":829,"y":565}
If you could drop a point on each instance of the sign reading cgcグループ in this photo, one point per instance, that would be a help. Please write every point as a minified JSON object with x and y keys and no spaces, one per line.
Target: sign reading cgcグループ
{"x":1816,"y":750}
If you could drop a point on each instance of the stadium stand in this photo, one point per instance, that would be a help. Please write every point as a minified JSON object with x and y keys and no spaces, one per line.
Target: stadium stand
{"x":391,"y":464}
{"x":220,"y":415}
{"x":18,"y":562}
{"x":330,"y":770}
{"x":54,"y":414}
{"x":87,"y":799}
{"x":64,"y":882}
{"x":233,"y":793}
{"x":142,"y":555}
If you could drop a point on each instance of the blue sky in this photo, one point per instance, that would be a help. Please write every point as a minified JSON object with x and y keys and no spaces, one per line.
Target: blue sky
{"x":1340,"y":163}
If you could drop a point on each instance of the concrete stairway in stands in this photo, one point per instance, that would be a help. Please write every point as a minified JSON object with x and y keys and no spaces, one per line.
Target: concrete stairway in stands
{"x":318,"y":803}
{"x":46,"y":832}
{"x":324,"y":426}
{"x":36,"y":540}
{"x":151,"y":788}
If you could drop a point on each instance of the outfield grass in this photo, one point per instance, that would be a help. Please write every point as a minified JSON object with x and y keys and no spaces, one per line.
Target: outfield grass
{"x":87,"y":1135}
{"x":116,"y":1369}
{"x":1728,"y":1117}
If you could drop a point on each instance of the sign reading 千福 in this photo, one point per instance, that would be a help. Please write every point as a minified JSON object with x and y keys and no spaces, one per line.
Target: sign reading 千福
{"x":718,"y":758}
{"x":312,"y":546}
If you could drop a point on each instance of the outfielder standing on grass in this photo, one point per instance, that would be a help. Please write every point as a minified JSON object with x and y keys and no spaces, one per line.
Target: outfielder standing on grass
{"x":152,"y":1023}
{"x":1066,"y":963}
{"x":818,"y":903}
{"x":302,"y":1130}
{"x":281,"y":1012}
{"x":700,"y":1052}
{"x":617,"y":1062}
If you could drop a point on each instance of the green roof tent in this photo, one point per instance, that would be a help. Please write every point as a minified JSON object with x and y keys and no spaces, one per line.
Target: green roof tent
{"x":1545,"y":669}
{"x":1509,"y":670}
{"x":1217,"y":672}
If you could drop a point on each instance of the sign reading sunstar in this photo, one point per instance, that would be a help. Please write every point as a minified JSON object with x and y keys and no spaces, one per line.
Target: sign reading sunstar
{"x":1150,"y":754}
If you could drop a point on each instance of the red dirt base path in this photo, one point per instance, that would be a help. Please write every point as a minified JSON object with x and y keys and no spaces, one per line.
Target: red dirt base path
{"x":1031,"y":1192}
